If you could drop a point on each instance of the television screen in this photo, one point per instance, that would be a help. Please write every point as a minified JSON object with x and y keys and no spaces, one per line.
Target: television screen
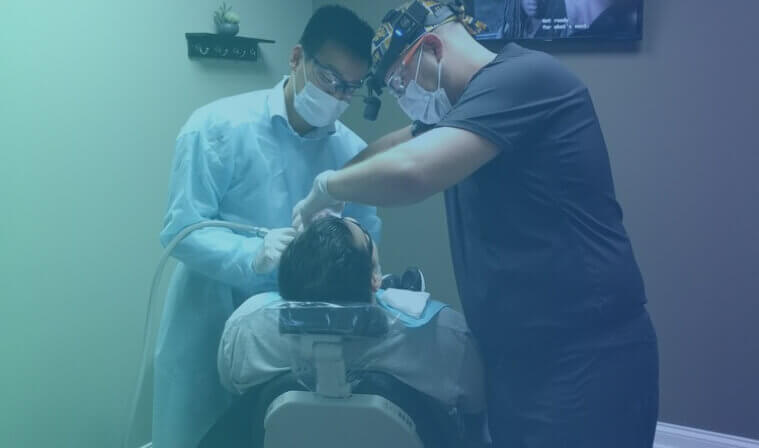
{"x":558,"y":19}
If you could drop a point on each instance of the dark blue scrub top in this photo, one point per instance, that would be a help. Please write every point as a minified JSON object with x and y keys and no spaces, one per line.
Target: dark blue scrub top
{"x":536,"y":234}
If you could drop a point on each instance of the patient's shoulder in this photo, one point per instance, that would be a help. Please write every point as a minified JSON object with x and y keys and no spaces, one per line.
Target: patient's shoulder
{"x":252,"y":305}
{"x":451,"y":319}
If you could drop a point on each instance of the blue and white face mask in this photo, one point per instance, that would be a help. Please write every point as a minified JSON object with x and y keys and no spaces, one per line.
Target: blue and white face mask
{"x":316,"y":106}
{"x":423,"y":105}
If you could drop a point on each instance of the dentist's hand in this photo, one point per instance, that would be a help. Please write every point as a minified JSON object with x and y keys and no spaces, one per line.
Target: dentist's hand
{"x":318,"y":203}
{"x":274,"y":244}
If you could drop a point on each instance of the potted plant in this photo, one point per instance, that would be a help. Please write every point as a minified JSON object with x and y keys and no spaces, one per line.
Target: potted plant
{"x":227,"y":22}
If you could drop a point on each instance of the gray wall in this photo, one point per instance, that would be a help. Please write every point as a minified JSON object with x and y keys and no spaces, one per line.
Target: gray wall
{"x":680,"y":114}
{"x":92,"y":95}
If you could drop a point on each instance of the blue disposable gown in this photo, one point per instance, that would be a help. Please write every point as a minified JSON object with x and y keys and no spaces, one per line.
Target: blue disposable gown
{"x":239,"y":160}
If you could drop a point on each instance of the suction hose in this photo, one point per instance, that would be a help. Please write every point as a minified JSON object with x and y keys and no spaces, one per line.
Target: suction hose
{"x":242,"y":228}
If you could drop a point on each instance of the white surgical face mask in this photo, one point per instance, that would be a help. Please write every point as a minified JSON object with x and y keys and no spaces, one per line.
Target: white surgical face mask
{"x":423,"y":105}
{"x":316,"y":106}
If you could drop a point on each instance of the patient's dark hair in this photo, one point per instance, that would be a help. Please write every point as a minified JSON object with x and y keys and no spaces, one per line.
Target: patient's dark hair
{"x":324,"y":263}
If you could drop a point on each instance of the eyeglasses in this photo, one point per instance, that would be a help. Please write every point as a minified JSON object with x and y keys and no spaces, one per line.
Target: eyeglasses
{"x":330,"y":81}
{"x":395,"y":82}
{"x":370,"y":243}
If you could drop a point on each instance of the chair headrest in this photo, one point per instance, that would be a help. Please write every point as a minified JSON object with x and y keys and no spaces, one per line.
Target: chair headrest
{"x":359,"y":321}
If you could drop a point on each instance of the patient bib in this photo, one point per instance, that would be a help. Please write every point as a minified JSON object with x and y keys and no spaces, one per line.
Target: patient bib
{"x":430,"y":311}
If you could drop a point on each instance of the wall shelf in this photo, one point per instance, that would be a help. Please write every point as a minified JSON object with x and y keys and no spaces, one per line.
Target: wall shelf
{"x":218,"y":46}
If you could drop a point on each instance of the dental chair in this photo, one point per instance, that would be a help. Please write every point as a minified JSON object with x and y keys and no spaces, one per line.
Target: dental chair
{"x":326,"y":402}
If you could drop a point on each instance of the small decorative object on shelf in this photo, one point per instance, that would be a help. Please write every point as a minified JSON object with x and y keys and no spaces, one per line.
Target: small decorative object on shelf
{"x":227,"y":22}
{"x":225,"y":44}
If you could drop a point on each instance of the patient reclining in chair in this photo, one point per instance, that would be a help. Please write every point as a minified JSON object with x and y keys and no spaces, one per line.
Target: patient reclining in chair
{"x":335,"y":261}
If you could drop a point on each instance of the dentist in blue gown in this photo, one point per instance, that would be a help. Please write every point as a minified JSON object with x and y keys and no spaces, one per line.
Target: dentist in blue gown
{"x":248,"y":159}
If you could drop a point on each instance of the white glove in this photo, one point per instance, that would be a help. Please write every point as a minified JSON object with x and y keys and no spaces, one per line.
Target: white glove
{"x":318,"y":203}
{"x":274,"y":244}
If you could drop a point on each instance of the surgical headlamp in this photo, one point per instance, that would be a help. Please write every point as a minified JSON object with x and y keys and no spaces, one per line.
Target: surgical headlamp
{"x":407,"y":26}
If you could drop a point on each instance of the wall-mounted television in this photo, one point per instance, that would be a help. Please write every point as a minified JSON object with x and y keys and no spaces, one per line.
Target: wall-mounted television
{"x":559,"y":19}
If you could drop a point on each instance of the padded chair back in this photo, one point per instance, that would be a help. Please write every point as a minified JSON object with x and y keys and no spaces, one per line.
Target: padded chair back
{"x":435,"y":427}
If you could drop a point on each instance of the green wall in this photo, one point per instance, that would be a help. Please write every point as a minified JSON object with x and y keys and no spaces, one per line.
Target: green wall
{"x":92,"y":95}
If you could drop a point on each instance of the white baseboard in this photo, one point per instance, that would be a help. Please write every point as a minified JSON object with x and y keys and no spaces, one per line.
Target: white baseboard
{"x":674,"y":436}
